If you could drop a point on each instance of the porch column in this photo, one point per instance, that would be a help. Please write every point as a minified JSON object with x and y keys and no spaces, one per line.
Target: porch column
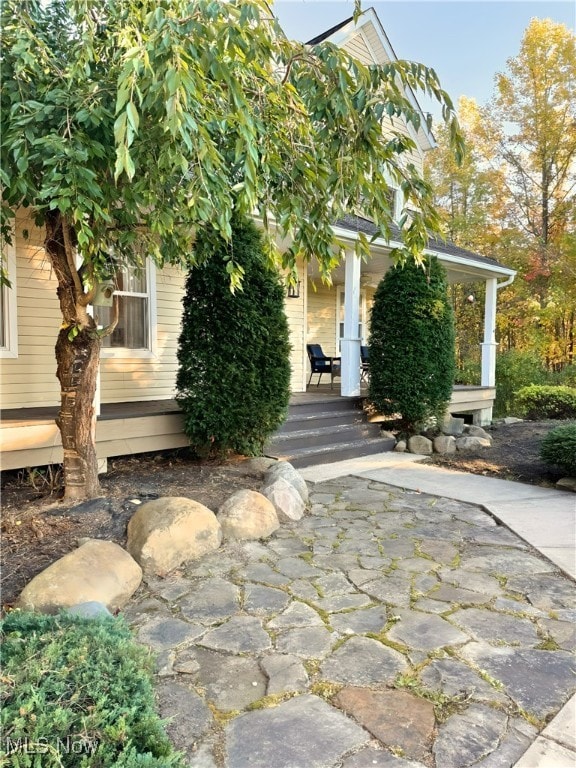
{"x":350,"y":380}
{"x":489,"y":344}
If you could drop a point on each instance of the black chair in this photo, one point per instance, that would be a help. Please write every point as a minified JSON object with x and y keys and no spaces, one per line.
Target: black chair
{"x":364,"y":363}
{"x":321,"y":363}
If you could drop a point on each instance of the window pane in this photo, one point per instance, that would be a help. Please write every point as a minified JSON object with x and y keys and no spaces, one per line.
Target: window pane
{"x":131,"y":280}
{"x":132,"y":329}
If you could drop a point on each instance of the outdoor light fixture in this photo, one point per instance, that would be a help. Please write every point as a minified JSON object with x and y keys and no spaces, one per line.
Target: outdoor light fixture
{"x":294,"y":290}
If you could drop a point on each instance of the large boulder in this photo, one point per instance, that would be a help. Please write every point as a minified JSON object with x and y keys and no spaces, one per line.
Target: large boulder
{"x":287,"y":501}
{"x":98,"y":571}
{"x":452,"y":425}
{"x":287,"y":472}
{"x":166,"y":532}
{"x":248,"y":515}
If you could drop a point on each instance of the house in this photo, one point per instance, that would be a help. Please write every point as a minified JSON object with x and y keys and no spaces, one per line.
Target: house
{"x":137,"y":412}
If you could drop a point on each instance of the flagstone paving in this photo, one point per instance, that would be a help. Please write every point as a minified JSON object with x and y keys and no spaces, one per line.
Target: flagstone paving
{"x":386,"y":629}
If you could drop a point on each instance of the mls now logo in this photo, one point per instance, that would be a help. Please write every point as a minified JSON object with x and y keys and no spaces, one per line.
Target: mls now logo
{"x":41,"y":746}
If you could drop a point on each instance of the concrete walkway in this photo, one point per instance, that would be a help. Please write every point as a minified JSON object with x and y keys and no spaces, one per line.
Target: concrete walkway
{"x":397,"y":625}
{"x":545,"y":518}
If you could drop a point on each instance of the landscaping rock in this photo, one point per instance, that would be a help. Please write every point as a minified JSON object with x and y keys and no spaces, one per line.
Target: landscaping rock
{"x":445,"y":444}
{"x":248,"y":515}
{"x":90,"y":610}
{"x":287,"y":501}
{"x":472,"y":443}
{"x":166,"y":532}
{"x":452,"y":425}
{"x":512,"y":420}
{"x":420,"y":444}
{"x":98,"y":571}
{"x":567,"y":484}
{"x":287,"y":472}
{"x":474,"y":431}
{"x":401,"y":446}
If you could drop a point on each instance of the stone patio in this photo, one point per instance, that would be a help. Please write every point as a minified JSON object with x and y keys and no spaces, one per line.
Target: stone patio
{"x":386,"y":628}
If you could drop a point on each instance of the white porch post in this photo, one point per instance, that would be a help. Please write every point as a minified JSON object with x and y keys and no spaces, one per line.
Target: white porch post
{"x":489,"y":344}
{"x":350,"y":381}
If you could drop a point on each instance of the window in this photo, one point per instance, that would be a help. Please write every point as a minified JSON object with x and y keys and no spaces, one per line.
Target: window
{"x":8,"y":322}
{"x":135,"y":330}
{"x":392,"y":195}
{"x":361,"y":322}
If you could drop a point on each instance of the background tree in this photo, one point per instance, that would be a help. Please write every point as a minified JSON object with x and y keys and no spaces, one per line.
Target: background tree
{"x":129,"y":126}
{"x":233,"y":378}
{"x":412,"y":344}
{"x":523,"y":147}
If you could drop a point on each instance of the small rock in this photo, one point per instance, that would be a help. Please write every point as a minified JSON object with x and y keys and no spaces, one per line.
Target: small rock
{"x":512,"y":420}
{"x":98,"y":571}
{"x":166,"y":532}
{"x":475,"y":431}
{"x":285,"y":470}
{"x":452,"y":425}
{"x":386,"y":435}
{"x":445,"y":444}
{"x":286,"y":500}
{"x":567,"y":484}
{"x":248,"y":515}
{"x":464,"y":444}
{"x":420,"y":444}
{"x":90,"y":610}
{"x":400,"y":446}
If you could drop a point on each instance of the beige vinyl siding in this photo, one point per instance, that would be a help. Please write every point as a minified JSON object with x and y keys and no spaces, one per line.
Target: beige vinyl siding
{"x":356,"y":46}
{"x":321,"y":318}
{"x":130,"y":379}
{"x":30,"y":379}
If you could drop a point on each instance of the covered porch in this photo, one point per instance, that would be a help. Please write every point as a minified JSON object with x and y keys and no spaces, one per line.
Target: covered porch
{"x":337,"y":316}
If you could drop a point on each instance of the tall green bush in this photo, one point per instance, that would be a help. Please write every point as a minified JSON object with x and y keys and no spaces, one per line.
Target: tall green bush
{"x":233,"y":381}
{"x":412,"y":344}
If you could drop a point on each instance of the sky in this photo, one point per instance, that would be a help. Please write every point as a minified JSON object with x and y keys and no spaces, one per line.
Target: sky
{"x":466,"y":42}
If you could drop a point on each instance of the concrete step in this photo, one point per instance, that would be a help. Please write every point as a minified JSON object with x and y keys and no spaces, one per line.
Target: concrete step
{"x":325,"y":404}
{"x":297,"y":422}
{"x":326,"y":454}
{"x":322,"y":434}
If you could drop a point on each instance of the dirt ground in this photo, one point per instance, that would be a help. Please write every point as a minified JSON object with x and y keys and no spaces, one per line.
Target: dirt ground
{"x":38,"y":527}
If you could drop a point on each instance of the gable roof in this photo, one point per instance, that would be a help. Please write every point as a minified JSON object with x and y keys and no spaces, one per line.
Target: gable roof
{"x":381,"y":52}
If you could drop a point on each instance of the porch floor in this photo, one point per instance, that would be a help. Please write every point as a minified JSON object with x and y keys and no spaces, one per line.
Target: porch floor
{"x":11,"y":417}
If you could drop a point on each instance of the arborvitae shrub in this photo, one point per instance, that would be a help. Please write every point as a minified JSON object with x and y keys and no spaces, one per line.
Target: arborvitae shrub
{"x":412,"y":344}
{"x":559,"y":448}
{"x":233,"y":382}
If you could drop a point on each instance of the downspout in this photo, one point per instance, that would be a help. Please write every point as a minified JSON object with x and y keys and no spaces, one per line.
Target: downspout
{"x":506,"y":282}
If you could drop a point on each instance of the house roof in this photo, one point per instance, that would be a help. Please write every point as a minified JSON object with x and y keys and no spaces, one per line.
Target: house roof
{"x":325,"y":35}
{"x":354,"y":223}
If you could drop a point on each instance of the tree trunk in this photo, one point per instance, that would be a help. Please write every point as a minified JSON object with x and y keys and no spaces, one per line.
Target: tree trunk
{"x":77,"y":357}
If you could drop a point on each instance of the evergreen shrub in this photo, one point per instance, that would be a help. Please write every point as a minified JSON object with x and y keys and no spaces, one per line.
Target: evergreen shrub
{"x":547,"y":402}
{"x":412,"y":361}
{"x":233,"y":381}
{"x":77,"y":693}
{"x":559,"y":448}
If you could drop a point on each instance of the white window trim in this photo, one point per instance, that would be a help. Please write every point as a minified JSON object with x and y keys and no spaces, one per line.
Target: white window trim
{"x":107,"y":353}
{"x":363,"y":315}
{"x":10,"y":350}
